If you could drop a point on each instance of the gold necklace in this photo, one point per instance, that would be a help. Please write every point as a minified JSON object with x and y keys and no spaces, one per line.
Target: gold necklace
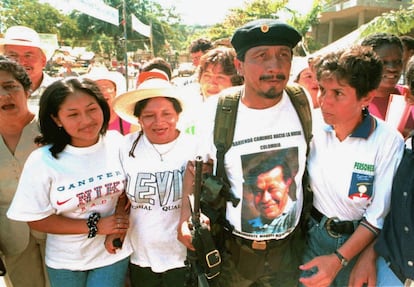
{"x":161,"y":154}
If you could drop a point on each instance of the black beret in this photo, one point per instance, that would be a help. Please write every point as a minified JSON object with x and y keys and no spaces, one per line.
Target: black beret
{"x":264,"y":32}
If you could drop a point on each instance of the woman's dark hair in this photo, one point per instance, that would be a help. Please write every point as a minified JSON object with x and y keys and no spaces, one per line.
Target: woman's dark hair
{"x":360,"y":67}
{"x":49,"y":105}
{"x":139,"y":106}
{"x":224,"y":57}
{"x":158,"y":63}
{"x":378,"y":40}
{"x":409,"y":74}
{"x":18,"y":72}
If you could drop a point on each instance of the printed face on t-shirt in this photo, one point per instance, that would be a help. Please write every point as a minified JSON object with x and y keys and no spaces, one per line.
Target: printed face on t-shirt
{"x":271,"y":193}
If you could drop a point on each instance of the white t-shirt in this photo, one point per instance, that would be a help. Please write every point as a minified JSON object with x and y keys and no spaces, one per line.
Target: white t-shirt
{"x":262,"y":137}
{"x":155,"y":192}
{"x":353,"y":178}
{"x":79,"y":182}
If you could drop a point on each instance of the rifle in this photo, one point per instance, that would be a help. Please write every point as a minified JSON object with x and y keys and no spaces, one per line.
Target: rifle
{"x":205,"y":261}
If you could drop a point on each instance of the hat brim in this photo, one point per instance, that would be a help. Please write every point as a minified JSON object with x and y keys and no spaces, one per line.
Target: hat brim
{"x":124,"y":104}
{"x":45,"y":51}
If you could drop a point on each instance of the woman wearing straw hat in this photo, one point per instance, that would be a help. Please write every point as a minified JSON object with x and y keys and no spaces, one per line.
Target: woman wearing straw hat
{"x":154,"y":160}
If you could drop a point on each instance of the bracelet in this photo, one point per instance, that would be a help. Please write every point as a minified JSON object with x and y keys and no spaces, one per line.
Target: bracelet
{"x":368,"y":226}
{"x":91,"y":223}
{"x":341,"y":258}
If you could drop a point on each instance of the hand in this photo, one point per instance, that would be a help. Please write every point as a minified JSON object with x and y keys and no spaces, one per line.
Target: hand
{"x":184,"y":232}
{"x":109,"y":242}
{"x":114,"y":224}
{"x":328,"y":267}
{"x":409,"y":98}
{"x":184,"y":235}
{"x":364,"y":272}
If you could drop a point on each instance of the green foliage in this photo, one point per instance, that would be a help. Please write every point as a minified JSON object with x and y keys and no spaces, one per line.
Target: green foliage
{"x":169,"y":36}
{"x":396,"y":22}
{"x":103,"y":45}
{"x":238,"y":16}
{"x":303,"y":24}
{"x":41,"y":17}
{"x":265,"y":9}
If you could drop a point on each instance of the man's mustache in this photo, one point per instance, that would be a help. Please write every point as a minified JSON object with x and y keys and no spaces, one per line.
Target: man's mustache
{"x":272,"y":77}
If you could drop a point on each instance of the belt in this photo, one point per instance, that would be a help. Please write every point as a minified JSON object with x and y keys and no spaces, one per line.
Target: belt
{"x":334,"y":226}
{"x":408,"y":282}
{"x":259,"y":245}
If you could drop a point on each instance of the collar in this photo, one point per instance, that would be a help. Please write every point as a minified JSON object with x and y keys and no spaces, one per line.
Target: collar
{"x":365,"y":128}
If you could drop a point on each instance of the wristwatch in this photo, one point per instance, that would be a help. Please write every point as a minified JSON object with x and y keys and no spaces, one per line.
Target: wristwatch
{"x":341,"y":258}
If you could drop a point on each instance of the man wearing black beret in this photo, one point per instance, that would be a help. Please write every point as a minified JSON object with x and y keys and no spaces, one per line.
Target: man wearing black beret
{"x":268,"y":125}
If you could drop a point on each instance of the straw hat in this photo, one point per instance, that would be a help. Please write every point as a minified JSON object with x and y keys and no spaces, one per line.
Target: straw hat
{"x":24,"y":36}
{"x":152,"y":88}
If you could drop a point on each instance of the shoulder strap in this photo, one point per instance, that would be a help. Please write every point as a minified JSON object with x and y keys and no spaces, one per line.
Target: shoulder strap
{"x":301,"y":104}
{"x":224,"y":125}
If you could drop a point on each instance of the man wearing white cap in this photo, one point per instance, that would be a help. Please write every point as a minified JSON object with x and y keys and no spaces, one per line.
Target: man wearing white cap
{"x":23,"y":44}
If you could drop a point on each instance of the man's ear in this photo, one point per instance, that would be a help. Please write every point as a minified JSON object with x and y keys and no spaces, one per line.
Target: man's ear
{"x":44,"y":60}
{"x":239,"y":66}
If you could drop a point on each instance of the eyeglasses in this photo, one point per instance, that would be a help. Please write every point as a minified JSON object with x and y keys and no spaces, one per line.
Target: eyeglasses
{"x":11,"y":88}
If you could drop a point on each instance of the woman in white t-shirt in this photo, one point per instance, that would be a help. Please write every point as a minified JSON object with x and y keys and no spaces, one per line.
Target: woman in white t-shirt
{"x":154,"y":160}
{"x":72,"y":188}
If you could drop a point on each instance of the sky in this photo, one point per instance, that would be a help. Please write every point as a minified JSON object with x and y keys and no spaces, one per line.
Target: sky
{"x":214,"y":11}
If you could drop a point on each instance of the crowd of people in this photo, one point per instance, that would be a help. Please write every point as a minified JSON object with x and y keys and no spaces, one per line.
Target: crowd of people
{"x":97,"y":180}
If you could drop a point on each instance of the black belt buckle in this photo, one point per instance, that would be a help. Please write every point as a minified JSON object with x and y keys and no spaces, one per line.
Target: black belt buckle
{"x":329,"y":223}
{"x":213,"y":260}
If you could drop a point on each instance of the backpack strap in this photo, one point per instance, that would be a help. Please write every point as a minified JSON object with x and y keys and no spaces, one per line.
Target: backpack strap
{"x":224,"y":126}
{"x":301,"y":104}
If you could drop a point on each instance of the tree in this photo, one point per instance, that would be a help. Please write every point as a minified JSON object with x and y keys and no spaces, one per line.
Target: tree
{"x":396,"y":22}
{"x":266,"y":9}
{"x":303,"y":24}
{"x":43,"y":18}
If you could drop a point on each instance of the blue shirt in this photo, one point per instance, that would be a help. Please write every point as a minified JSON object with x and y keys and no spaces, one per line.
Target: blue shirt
{"x":395,"y":242}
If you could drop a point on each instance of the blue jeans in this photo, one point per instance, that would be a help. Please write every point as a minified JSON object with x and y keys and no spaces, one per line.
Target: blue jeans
{"x":108,"y":276}
{"x":385,"y":276}
{"x":319,"y":243}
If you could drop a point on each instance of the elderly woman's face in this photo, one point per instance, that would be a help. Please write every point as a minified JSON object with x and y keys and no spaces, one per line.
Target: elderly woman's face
{"x":158,"y":121}
{"x":13,"y":97}
{"x":213,"y":80}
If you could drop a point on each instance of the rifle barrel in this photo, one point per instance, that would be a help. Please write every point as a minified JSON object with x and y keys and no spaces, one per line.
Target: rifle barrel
{"x":197,"y":189}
